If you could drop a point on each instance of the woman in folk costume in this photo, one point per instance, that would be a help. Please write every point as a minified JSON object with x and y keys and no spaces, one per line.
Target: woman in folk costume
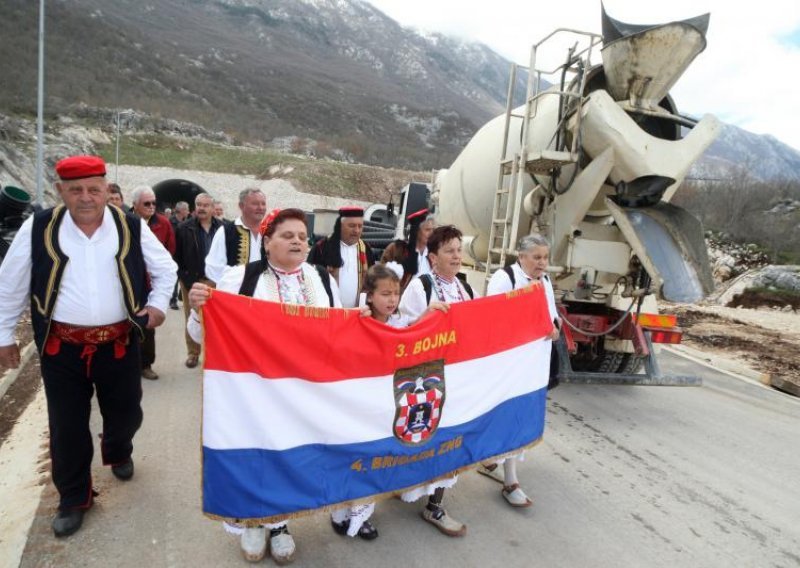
{"x":530,"y":268}
{"x":285,"y":277}
{"x":412,"y":254}
{"x":441,"y":285}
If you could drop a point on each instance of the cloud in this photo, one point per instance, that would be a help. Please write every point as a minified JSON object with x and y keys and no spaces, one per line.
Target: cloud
{"x":745,"y":76}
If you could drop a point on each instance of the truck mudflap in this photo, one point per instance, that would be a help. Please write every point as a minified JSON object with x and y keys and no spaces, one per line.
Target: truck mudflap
{"x":670,"y":244}
{"x":651,"y":377}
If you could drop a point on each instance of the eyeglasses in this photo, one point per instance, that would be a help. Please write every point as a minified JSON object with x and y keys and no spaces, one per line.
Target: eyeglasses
{"x":149,"y":203}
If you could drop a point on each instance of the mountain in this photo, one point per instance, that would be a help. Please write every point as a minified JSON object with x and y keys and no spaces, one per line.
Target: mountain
{"x":336,"y":71}
{"x":736,"y":151}
{"x":334,"y":77}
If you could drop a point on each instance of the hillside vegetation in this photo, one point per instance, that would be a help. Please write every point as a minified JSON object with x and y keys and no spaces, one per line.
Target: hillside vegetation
{"x":318,"y":176}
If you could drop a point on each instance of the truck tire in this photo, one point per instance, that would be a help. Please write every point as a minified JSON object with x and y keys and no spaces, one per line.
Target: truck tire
{"x":610,"y":362}
{"x":631,"y":363}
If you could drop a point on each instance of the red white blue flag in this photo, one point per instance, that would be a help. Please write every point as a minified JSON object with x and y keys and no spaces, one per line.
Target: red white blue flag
{"x":309,"y":408}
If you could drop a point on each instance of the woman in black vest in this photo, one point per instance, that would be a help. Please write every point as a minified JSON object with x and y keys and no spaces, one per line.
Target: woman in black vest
{"x":285,"y":277}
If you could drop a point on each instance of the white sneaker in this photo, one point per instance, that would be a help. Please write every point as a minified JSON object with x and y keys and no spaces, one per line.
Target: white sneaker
{"x":281,"y":546}
{"x":254,"y":543}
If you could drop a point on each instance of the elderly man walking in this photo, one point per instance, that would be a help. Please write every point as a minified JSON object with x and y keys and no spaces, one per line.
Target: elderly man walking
{"x":83,"y":267}
{"x":193,"y":239}
{"x":238,"y":242}
{"x":144,"y":205}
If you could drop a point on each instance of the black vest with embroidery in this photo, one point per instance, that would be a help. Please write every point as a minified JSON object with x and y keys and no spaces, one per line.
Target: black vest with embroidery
{"x":49,"y":261}
{"x":237,"y":244}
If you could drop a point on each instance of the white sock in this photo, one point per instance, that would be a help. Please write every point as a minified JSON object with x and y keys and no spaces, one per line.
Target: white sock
{"x":339,"y":516}
{"x":510,"y":472}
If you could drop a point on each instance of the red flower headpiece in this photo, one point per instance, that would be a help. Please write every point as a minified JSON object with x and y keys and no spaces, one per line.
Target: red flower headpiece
{"x":267,"y":221}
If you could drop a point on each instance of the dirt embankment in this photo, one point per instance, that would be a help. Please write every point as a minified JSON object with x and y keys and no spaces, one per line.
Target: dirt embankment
{"x":765,"y":340}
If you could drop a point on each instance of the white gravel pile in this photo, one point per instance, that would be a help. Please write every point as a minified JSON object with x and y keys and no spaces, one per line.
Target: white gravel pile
{"x":226,"y":188}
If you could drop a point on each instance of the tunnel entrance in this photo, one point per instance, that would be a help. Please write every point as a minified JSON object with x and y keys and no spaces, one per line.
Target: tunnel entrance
{"x":170,"y":191}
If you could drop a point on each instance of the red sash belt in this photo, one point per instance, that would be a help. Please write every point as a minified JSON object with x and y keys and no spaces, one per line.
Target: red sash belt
{"x":95,"y":335}
{"x":90,"y":337}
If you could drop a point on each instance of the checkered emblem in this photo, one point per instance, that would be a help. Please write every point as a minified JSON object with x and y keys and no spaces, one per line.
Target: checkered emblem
{"x":419,"y":400}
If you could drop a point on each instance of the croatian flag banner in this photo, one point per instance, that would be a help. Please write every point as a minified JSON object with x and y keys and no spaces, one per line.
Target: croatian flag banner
{"x":309,"y":408}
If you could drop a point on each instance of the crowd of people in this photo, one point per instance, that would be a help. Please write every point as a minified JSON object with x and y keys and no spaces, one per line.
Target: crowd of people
{"x":99,"y":277}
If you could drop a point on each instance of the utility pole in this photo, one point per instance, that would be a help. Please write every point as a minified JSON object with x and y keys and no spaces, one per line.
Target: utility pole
{"x":40,"y":113}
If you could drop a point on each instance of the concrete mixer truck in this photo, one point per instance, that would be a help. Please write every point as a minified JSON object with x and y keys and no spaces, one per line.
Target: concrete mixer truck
{"x":591,"y":162}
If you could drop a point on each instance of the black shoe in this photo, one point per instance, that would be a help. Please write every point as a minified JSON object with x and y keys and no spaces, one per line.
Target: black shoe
{"x":68,"y":522}
{"x":173,"y":304}
{"x":367,"y":530}
{"x":340,"y":528}
{"x":123,"y":471}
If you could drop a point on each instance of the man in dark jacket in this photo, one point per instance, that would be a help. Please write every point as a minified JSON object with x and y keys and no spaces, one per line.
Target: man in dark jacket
{"x":178,"y":216}
{"x":193,"y":241}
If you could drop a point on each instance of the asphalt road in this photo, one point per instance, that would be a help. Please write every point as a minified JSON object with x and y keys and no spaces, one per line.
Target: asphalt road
{"x":625,"y":476}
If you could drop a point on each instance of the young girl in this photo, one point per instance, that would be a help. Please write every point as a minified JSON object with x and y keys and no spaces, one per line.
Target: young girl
{"x":382,"y":290}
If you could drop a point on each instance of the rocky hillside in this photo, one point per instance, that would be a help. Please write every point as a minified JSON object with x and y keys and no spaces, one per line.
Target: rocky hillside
{"x":331,"y":78}
{"x":336,"y":71}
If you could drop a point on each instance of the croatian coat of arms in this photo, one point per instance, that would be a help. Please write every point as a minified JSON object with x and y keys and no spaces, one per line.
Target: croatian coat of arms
{"x":419,"y":399}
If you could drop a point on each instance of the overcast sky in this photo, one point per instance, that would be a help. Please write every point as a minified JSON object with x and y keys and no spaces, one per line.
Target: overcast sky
{"x":749,"y":74}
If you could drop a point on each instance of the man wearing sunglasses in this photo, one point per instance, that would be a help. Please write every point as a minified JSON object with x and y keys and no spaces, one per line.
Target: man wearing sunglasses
{"x":144,"y":205}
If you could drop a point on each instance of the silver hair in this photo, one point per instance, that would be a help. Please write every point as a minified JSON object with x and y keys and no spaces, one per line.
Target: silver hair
{"x":533,"y":240}
{"x":203,"y":195}
{"x":181,"y":205}
{"x":140,"y":190}
{"x":248,"y":191}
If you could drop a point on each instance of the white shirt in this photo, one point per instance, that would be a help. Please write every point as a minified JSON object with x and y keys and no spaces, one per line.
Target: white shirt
{"x":90,"y":292}
{"x":217,"y":257}
{"x":500,"y":283}
{"x":232,"y":281}
{"x":413,"y":303}
{"x":398,"y":321}
{"x":423,"y":265}
{"x":348,"y":275}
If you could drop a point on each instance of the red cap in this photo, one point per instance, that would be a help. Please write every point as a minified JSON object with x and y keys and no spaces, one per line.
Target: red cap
{"x":79,"y":167}
{"x":417,"y":216}
{"x":351,"y":212}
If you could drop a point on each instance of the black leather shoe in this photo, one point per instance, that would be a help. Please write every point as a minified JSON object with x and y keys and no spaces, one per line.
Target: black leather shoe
{"x":68,"y":522}
{"x":173,"y":304}
{"x":123,"y":471}
{"x":367,"y":530}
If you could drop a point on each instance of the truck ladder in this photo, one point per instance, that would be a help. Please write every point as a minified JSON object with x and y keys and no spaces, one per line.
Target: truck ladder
{"x":509,"y":192}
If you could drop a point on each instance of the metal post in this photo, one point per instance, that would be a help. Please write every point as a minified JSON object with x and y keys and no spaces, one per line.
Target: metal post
{"x":116,"y":160}
{"x":40,"y":113}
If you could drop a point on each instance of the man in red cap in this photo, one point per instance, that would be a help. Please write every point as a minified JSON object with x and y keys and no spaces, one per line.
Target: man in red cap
{"x":346,"y":256}
{"x":82,"y":267}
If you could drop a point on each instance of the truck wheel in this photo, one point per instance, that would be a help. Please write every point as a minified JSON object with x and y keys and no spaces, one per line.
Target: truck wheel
{"x":630,"y":364}
{"x":610,"y":361}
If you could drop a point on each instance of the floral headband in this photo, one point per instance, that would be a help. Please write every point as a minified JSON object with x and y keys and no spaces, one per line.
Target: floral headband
{"x":268,"y":219}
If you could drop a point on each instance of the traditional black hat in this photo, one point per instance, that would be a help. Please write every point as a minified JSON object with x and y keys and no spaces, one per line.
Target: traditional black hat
{"x":351,"y":212}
